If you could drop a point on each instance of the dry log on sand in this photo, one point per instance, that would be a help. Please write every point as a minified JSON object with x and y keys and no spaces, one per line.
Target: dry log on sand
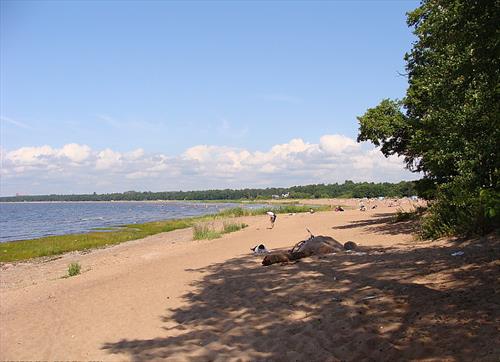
{"x":315,"y":245}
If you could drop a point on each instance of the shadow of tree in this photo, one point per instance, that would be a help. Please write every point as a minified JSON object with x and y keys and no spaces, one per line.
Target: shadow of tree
{"x":399,"y":304}
{"x":382,"y":223}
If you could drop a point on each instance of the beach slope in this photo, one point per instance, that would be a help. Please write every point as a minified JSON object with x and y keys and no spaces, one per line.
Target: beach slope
{"x":169,"y":297}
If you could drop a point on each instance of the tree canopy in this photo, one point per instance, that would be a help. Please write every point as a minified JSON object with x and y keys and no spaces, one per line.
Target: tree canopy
{"x":347,"y":189}
{"x":448,"y":124}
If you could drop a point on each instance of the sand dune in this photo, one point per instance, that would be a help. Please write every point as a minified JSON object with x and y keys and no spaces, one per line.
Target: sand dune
{"x":169,"y":297}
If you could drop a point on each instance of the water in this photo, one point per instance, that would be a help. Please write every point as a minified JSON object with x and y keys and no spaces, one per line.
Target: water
{"x":19,"y":221}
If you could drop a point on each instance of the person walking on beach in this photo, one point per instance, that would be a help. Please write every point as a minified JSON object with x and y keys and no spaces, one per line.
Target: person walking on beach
{"x":272,"y":218}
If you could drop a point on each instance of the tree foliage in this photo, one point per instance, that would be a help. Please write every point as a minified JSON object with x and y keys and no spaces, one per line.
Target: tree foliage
{"x":347,"y":189}
{"x":448,"y":124}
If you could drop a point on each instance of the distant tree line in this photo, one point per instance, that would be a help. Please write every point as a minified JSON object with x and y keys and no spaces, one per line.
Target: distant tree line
{"x":346,"y":190}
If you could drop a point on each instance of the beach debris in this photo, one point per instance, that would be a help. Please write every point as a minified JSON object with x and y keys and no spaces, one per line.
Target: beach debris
{"x":314,"y":245}
{"x":457,"y":253}
{"x":350,"y":245}
{"x":369,"y":297}
{"x":259,"y":249}
{"x":353,"y":252}
{"x":339,"y":208}
{"x":311,"y":211}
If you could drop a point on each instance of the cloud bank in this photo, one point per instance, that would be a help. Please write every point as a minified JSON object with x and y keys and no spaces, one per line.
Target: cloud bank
{"x":77,"y":168}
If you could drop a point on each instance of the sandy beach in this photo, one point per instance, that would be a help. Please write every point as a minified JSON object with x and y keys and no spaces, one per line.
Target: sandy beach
{"x":167,"y":297}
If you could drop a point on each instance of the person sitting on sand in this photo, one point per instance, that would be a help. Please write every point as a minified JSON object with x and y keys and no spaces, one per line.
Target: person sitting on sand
{"x":272,"y":218}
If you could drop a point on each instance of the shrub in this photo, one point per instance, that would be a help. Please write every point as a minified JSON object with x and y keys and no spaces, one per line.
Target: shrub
{"x":459,"y":211}
{"x":404,"y":216}
{"x":205,"y":231}
{"x":414,"y":214}
{"x":232,"y":227}
{"x":74,"y":269}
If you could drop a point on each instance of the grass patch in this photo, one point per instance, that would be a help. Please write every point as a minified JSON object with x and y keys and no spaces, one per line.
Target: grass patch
{"x":106,"y":228}
{"x":279,"y":209}
{"x":231,"y":227}
{"x":208,"y":231}
{"x":74,"y":269}
{"x":205,"y":231}
{"x":56,"y":245}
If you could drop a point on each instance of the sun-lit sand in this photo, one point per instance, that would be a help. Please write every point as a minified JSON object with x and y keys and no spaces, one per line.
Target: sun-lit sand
{"x":169,"y":297}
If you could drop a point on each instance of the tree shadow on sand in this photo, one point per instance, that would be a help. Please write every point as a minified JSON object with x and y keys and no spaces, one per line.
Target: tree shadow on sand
{"x":395,"y":305}
{"x":382,"y":223}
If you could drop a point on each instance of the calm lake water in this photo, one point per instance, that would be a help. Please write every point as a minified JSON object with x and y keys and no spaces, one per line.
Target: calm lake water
{"x":20,"y":221}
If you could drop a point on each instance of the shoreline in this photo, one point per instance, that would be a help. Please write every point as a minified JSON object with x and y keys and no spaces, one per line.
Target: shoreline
{"x":124,"y":201}
{"x":18,"y":250}
{"x":319,"y":201}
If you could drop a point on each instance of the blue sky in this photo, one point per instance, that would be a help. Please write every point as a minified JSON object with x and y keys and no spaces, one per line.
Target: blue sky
{"x":161,"y":78}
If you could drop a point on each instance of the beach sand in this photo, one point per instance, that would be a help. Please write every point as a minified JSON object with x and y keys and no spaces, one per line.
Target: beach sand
{"x":169,"y":297}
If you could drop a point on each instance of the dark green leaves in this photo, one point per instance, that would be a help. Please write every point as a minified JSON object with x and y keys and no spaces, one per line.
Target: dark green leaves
{"x":448,"y":124}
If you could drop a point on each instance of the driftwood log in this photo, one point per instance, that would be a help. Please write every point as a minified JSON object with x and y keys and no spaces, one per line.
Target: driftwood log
{"x":315,"y":245}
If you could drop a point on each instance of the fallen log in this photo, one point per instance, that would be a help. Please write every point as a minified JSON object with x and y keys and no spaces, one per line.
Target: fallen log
{"x":315,"y":245}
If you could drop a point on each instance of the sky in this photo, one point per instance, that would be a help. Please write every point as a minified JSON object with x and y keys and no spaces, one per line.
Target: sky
{"x":110,"y":96}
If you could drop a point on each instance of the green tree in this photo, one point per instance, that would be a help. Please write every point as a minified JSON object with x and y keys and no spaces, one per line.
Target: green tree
{"x":448,"y":124}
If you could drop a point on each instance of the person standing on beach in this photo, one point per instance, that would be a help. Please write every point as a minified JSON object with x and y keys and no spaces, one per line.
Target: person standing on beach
{"x":272,"y":218}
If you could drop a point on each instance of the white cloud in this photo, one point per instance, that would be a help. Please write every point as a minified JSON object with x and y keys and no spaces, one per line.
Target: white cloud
{"x":334,"y":158}
{"x":31,"y":155}
{"x":134,"y":155}
{"x":75,"y":152}
{"x":138,"y":175}
{"x":108,"y":159}
{"x":46,"y":155}
{"x":337,"y":144}
{"x":199,"y":153}
{"x":295,"y":146}
{"x":268,"y":168}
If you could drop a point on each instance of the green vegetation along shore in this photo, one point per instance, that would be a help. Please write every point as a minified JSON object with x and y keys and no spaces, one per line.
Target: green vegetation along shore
{"x":54,"y":245}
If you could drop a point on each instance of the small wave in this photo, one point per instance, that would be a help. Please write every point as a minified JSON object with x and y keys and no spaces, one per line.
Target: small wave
{"x":92,"y":218}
